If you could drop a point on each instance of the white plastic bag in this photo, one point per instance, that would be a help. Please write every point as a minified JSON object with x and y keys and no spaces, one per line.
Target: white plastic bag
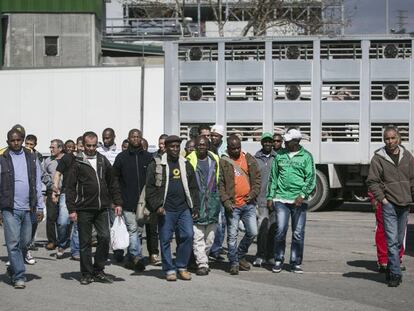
{"x":119,"y":234}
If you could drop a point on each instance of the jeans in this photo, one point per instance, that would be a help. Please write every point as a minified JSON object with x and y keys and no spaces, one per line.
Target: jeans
{"x":266,"y":224}
{"x":100,"y":219}
{"x":247,"y":214}
{"x":63,"y":223}
{"x":17,"y":234}
{"x":181,"y":223}
{"x":298,"y":216}
{"x":219,"y":233}
{"x":395,"y":222}
{"x":134,"y":248}
{"x":74,"y":240}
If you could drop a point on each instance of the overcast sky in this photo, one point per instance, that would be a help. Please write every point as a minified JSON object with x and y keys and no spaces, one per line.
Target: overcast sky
{"x":368,"y":16}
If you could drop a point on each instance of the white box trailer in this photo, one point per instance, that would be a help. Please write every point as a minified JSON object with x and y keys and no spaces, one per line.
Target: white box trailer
{"x":339,"y":91}
{"x":64,"y":103}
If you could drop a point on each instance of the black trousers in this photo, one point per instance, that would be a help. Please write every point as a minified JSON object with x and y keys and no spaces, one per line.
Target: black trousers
{"x":99,"y":219}
{"x":151,"y":231}
{"x":51,"y":219}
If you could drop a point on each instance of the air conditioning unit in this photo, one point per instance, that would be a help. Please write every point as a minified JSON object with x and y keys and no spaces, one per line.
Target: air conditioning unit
{"x":292,"y":91}
{"x":292,"y":52}
{"x":390,"y":92}
{"x":195,"y":93}
{"x":390,"y":51}
{"x":195,"y":53}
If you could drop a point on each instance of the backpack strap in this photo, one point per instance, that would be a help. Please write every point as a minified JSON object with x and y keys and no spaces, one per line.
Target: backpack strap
{"x":237,"y":167}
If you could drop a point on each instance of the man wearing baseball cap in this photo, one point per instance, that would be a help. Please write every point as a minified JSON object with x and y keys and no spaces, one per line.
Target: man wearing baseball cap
{"x":172,"y":193}
{"x":292,"y":180}
{"x":265,"y":237}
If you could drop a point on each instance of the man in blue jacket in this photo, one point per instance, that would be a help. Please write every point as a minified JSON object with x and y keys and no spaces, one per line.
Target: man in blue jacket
{"x":20,"y":196}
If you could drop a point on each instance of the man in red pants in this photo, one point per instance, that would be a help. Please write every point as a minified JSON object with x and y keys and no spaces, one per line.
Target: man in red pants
{"x":380,"y":239}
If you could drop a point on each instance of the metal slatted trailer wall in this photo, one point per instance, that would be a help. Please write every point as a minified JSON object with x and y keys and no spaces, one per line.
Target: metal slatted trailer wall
{"x":340,"y":92}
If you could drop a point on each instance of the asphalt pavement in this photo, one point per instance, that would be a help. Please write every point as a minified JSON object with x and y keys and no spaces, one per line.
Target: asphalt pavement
{"x":339,"y":274}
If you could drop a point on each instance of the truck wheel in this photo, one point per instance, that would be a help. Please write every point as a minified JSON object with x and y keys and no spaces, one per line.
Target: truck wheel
{"x":320,"y":196}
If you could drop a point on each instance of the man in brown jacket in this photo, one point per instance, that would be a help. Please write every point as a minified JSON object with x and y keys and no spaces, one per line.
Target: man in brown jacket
{"x":239,"y":187}
{"x":391,"y":180}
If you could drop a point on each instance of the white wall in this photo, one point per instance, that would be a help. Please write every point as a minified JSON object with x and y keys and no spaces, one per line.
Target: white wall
{"x":64,"y":103}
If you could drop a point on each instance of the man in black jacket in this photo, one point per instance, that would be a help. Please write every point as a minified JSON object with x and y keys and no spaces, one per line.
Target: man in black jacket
{"x":90,"y":192}
{"x":130,"y":171}
{"x":172,"y":192}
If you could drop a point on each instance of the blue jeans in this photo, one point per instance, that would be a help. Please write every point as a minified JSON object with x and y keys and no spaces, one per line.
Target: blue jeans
{"x":181,"y":223}
{"x":247,"y":214}
{"x":63,"y":223}
{"x":74,"y":240}
{"x":219,"y":233}
{"x":17,"y":234}
{"x":298,"y":216}
{"x":134,"y":248}
{"x":395,"y":222}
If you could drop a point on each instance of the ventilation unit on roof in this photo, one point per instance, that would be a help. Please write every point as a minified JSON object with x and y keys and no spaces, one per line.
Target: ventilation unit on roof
{"x":390,"y":92}
{"x":292,"y":92}
{"x":195,"y":93}
{"x":292,"y":52}
{"x":195,"y":53}
{"x":390,"y":51}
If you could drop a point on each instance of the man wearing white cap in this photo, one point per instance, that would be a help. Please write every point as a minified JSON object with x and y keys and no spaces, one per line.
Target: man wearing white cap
{"x":216,"y":137}
{"x":291,"y":181}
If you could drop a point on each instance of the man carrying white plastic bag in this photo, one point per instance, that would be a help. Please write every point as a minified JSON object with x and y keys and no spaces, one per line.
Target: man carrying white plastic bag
{"x":119,"y":234}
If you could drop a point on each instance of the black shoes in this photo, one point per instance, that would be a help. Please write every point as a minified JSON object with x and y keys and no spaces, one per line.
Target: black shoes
{"x":394,"y":280}
{"x":234,"y":270}
{"x":102,"y":277}
{"x":86,"y":279}
{"x":202,"y":271}
{"x":244,"y":264}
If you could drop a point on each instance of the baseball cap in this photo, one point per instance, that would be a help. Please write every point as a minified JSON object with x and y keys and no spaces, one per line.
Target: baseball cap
{"x":219,"y":129}
{"x":267,"y":135}
{"x":292,"y":134}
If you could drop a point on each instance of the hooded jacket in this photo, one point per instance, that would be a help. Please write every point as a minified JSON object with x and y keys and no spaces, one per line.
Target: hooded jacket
{"x":265,"y":166}
{"x":390,"y":181}
{"x":87,"y":189}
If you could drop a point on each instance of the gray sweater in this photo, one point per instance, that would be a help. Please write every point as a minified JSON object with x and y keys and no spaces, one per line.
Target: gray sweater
{"x":390,"y":181}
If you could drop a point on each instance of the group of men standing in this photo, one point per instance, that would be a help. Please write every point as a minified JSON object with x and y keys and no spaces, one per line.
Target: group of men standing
{"x":194,"y":197}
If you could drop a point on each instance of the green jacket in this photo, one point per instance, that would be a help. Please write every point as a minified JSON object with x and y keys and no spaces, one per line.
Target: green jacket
{"x":208,"y":189}
{"x":291,"y":177}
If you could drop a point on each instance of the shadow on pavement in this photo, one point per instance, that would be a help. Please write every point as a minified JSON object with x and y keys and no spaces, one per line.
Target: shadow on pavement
{"x":159,"y":274}
{"x":370,"y":265}
{"x":75,"y":276}
{"x":29,"y":277}
{"x":376,"y":277}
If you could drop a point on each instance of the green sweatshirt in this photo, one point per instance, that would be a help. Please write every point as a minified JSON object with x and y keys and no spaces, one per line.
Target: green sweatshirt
{"x":291,"y":177}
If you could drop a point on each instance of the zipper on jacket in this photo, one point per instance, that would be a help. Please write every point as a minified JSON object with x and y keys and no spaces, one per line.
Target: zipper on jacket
{"x":139,"y":183}
{"x":99,"y":185}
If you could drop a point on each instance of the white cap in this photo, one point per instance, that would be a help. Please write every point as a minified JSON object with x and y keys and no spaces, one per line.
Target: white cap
{"x":292,"y":134}
{"x":219,"y":129}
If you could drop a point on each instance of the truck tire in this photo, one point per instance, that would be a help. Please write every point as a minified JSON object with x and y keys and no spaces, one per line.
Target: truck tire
{"x":321,"y":195}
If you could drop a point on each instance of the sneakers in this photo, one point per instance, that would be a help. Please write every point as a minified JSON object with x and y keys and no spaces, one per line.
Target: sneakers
{"x":277,"y":267}
{"x":102,"y":277}
{"x":50,"y":246}
{"x":403,"y":268}
{"x":86,"y":279}
{"x":184,"y":275}
{"x":258,"y":262}
{"x":171,"y":277}
{"x":202,"y":271}
{"x":32,"y":247}
{"x":19,"y":284}
{"x":75,"y":257}
{"x":234,"y":270}
{"x":154,"y":260}
{"x":244,"y":264}
{"x":29,"y":259}
{"x":395,"y":280}
{"x":59,"y":253}
{"x":296,"y":269}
